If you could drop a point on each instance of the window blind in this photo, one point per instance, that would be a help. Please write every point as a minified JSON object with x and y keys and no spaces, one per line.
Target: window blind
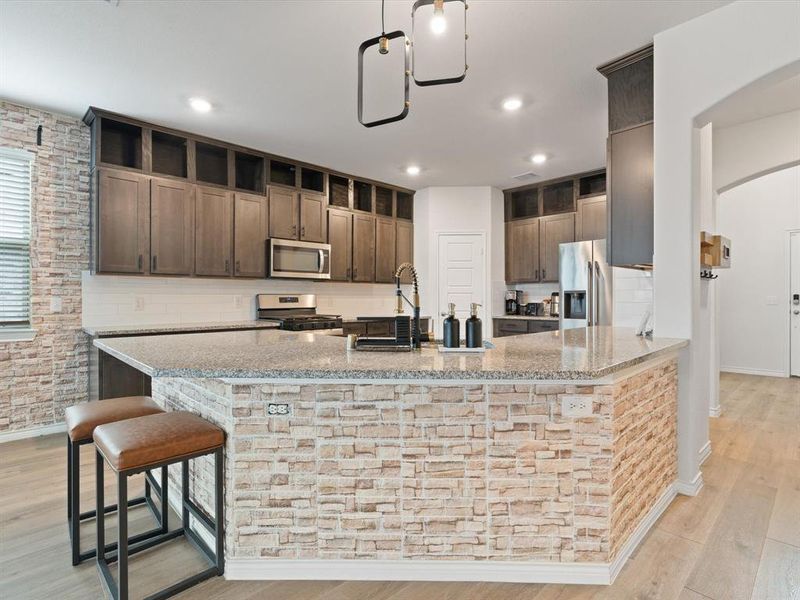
{"x":15,"y":237}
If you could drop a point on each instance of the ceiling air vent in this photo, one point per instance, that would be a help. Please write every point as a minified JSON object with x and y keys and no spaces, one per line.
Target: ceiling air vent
{"x":526,"y":176}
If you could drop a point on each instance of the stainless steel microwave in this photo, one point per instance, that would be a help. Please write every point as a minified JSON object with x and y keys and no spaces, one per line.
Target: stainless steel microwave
{"x":298,"y":260}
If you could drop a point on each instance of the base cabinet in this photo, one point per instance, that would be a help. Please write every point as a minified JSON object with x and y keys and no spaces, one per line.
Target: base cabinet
{"x":505,"y":327}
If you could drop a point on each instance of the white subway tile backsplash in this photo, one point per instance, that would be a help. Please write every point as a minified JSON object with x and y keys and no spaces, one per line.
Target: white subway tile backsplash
{"x":111,"y":300}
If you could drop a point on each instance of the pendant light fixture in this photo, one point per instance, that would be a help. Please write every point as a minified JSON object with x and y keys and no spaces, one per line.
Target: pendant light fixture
{"x":382,"y":41}
{"x":438,"y":24}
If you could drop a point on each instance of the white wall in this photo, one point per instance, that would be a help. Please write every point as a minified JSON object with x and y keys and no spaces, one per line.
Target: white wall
{"x":697,"y":65}
{"x":119,"y":300}
{"x":459,"y":209}
{"x":753,"y":293}
{"x":633,"y":296}
{"x":752,"y":148}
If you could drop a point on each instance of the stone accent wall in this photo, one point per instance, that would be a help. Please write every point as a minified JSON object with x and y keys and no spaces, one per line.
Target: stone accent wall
{"x":467,"y":472}
{"x":40,"y":378}
{"x":645,"y":447}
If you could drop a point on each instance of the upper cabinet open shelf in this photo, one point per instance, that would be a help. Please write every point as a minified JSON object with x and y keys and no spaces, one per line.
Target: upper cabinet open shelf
{"x":127,"y":143}
{"x":552,"y":197}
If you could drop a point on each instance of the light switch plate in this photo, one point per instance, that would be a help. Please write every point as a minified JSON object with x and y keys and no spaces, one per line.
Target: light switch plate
{"x":237,"y":302}
{"x":576,"y":406}
{"x":138,"y":304}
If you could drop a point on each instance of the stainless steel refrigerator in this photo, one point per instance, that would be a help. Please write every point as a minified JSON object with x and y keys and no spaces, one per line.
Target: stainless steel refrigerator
{"x":585,"y":285}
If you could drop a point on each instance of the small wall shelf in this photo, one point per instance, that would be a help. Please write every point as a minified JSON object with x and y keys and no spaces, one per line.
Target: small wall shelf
{"x":212,"y":163}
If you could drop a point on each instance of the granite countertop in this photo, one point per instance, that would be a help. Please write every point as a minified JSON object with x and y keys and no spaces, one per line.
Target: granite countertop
{"x":575,"y":354}
{"x":528,"y":317}
{"x":113,"y":330}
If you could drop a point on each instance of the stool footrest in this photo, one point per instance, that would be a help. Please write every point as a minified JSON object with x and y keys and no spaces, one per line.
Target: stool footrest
{"x":199,"y":514}
{"x":111,"y":508}
{"x":154,"y":538}
{"x":184,"y":584}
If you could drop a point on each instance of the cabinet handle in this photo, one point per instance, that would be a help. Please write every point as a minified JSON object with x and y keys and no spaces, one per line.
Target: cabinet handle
{"x":544,"y":274}
{"x":294,"y":230}
{"x":536,"y":275}
{"x":227,"y":266}
{"x":348,"y":273}
{"x":302,"y":232}
{"x":140,"y":263}
{"x":238,"y":266}
{"x":355,"y":273}
{"x":155,"y":262}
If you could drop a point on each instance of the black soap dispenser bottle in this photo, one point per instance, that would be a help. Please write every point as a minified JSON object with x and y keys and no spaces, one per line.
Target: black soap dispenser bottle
{"x":474,"y":328}
{"x":451,"y":334}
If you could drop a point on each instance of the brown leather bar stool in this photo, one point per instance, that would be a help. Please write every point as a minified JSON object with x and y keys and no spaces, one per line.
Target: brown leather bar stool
{"x":151,"y":442}
{"x":81,"y":421}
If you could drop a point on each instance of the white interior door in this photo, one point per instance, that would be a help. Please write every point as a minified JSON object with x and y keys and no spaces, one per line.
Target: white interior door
{"x":794,"y":303}
{"x":462,"y":277}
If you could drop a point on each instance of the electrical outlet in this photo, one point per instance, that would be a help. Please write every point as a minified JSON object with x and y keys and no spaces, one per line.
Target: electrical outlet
{"x":279,"y":410}
{"x":237,"y":302}
{"x":138,"y":303}
{"x":576,"y":406}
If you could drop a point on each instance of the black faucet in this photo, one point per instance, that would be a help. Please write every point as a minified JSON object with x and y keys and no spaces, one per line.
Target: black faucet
{"x":415,"y":327}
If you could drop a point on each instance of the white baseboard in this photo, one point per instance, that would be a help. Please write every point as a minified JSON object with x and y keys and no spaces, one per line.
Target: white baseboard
{"x":10,"y":436}
{"x":749,"y":371}
{"x":714,"y":411}
{"x":705,"y":452}
{"x":690,"y":488}
{"x":447,"y":570}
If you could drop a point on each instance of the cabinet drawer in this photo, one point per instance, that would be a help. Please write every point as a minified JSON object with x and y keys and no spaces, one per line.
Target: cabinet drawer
{"x":512,"y":327}
{"x":539,"y":326}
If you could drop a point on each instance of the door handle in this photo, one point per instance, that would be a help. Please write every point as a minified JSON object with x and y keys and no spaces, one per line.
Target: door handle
{"x":596,"y":288}
{"x":590,"y":298}
{"x":797,"y":312}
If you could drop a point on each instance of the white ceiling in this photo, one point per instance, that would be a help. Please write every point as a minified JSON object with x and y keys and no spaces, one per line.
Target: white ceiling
{"x":282,"y":77}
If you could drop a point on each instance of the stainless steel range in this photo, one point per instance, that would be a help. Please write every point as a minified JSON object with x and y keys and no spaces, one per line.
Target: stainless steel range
{"x":295,"y":312}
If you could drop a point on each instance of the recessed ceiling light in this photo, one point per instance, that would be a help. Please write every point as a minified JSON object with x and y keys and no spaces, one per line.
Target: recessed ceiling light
{"x":200,"y":105}
{"x":538,"y":158}
{"x":512,"y":104}
{"x":412,"y":170}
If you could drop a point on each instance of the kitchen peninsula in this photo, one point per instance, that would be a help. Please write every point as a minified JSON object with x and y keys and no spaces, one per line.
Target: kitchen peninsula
{"x":545,"y":459}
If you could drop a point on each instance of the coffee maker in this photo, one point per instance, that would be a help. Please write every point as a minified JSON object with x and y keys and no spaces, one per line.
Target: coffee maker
{"x":513,"y":301}
{"x":554,"y":304}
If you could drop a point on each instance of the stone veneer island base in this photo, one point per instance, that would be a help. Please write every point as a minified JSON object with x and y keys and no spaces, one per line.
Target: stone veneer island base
{"x":436,"y":478}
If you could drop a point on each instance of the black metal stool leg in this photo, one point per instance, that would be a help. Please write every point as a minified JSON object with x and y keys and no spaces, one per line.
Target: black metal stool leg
{"x":164,"y":499}
{"x":74,"y":489}
{"x":219,"y":509}
{"x":122,"y":536}
{"x":185,"y":494}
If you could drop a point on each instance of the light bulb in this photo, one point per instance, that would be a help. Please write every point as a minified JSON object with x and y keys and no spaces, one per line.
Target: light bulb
{"x":201,"y":105}
{"x":412,"y":170}
{"x":538,"y":158}
{"x":438,"y":24}
{"x":512,"y":104}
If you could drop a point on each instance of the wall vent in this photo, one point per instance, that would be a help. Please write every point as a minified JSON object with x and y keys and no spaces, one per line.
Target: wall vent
{"x":525,"y":176}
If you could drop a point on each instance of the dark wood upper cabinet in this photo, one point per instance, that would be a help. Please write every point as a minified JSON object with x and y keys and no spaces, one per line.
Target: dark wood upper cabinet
{"x":592,"y":185}
{"x":312,"y":179}
{"x":122,"y":206}
{"x":405,"y":206}
{"x":630,"y":193}
{"x":362,"y":196}
{"x":249,"y":172}
{"x":168,"y":154}
{"x":211,"y":163}
{"x":630,"y":159}
{"x":524,"y":204}
{"x":522,"y":251}
{"x":340,"y":237}
{"x":553,"y":231}
{"x":591,"y":219}
{"x":385,"y":250}
{"x":120,"y":143}
{"x":283,"y":214}
{"x":363,"y":247}
{"x":384,"y":201}
{"x":250,"y":230}
{"x":405,"y":247}
{"x":171,"y":227}
{"x":558,"y":198}
{"x":339,"y":189}
{"x":213,"y":232}
{"x":282,"y":173}
{"x":313,"y":222}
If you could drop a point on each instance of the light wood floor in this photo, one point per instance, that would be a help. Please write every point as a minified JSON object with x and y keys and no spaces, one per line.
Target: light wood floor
{"x":738,"y":539}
